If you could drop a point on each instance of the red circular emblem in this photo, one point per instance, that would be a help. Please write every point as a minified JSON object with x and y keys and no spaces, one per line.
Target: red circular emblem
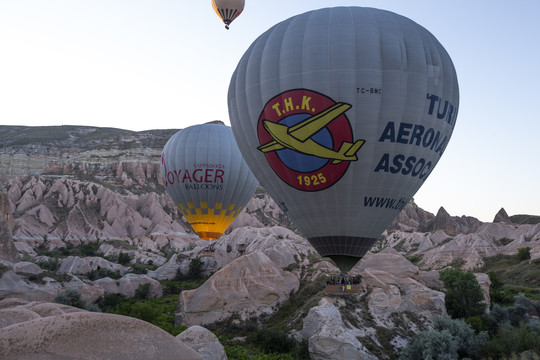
{"x":307,"y":139}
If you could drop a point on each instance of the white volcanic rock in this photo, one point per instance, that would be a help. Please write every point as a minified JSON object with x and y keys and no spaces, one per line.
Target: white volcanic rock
{"x":16,"y":310}
{"x":24,"y":248}
{"x":109,"y":286}
{"x":45,"y":309}
{"x":137,"y":256}
{"x":388,"y":260}
{"x":166,"y":271}
{"x":329,"y":338}
{"x":204,"y":342}
{"x":250,"y":285}
{"x":26,"y":268}
{"x":485,"y":283}
{"x":278,"y":243}
{"x":83,"y":266}
{"x":396,"y":286}
{"x":128,"y":284}
{"x":489,"y":240}
{"x":14,"y":285}
{"x":90,"y":293}
{"x":89,"y":211}
{"x":393,"y":294}
{"x":245,"y":219}
{"x":16,"y":315}
{"x":88,"y":336}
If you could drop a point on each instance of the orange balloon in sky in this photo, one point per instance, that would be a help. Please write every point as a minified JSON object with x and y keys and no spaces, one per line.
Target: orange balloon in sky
{"x":228,"y":10}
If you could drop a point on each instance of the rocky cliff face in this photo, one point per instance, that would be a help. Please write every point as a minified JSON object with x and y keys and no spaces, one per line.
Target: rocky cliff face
{"x":107,"y":156}
{"x":8,"y":251}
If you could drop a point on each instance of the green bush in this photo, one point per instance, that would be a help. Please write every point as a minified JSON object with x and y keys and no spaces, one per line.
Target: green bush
{"x":195,"y":268}
{"x":497,"y":293}
{"x":449,"y":339}
{"x":272,"y":341}
{"x":110,"y":301}
{"x":140,"y":310}
{"x":159,"y":312}
{"x":524,"y":253}
{"x":90,"y":248}
{"x":71,"y":297}
{"x":3,"y":269}
{"x":464,"y":297}
{"x":51,"y":264}
{"x":431,"y":345}
{"x":512,"y":315}
{"x":124,"y":258}
{"x":142,"y":291}
{"x":511,"y":340}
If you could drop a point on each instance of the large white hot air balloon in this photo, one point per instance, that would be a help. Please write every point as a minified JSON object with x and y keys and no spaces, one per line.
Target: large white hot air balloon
{"x":228,"y":10}
{"x":206,"y":176}
{"x":342,"y":114}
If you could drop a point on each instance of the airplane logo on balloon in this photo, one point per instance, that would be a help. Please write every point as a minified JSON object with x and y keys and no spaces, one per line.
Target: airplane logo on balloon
{"x":299,"y":137}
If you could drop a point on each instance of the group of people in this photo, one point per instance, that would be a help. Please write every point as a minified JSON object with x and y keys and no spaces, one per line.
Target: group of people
{"x":208,"y":250}
{"x":343,"y":280}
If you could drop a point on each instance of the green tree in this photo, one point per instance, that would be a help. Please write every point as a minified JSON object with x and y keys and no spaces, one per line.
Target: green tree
{"x":524,"y":253}
{"x":71,"y":297}
{"x":464,"y":297}
{"x":124,"y":258}
{"x":195,"y":268}
{"x":496,"y":290}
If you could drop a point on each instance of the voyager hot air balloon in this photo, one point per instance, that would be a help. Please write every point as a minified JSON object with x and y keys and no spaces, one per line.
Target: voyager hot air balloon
{"x":342,"y":114}
{"x":228,"y":10}
{"x":206,"y":176}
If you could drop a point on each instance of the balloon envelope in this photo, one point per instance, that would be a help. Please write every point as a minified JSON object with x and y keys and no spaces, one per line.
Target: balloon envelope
{"x":228,"y":10}
{"x":342,"y":114}
{"x":206,"y":176}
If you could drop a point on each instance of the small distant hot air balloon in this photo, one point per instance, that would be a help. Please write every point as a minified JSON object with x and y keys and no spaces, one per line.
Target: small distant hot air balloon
{"x":228,"y":10}
{"x":342,"y":113}
{"x":204,"y":173}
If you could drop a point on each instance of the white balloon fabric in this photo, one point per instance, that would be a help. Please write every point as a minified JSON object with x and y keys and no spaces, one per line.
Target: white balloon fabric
{"x":342,"y":113}
{"x":207,"y":177}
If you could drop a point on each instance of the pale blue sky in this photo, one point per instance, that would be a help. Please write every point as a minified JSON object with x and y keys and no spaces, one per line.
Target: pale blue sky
{"x":153,"y":64}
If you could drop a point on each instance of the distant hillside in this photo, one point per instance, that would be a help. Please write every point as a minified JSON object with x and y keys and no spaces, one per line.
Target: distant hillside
{"x":55,"y":150}
{"x":525,"y":219}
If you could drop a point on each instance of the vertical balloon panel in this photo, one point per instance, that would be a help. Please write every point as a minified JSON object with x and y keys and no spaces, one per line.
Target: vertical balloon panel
{"x":342,"y":114}
{"x":206,"y":176}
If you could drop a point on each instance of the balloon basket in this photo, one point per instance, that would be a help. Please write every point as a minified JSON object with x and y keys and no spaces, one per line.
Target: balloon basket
{"x":342,"y":289}
{"x":343,"y":285}
{"x":208,"y":251}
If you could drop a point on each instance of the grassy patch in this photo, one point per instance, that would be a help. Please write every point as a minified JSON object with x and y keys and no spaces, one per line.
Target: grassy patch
{"x":159,"y":312}
{"x":517,"y":275}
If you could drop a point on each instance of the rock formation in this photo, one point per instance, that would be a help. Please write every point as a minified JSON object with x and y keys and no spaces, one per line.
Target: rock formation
{"x":329,"y":338}
{"x":502,"y":217}
{"x":8,"y":251}
{"x":204,"y":342}
{"x":60,"y":333}
{"x":250,"y":285}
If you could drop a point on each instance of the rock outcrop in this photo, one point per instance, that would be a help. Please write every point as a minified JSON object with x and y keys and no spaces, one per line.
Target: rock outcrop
{"x":329,"y":338}
{"x":249,"y":286}
{"x":502,"y":217}
{"x":60,"y":333}
{"x":204,"y":342}
{"x":8,"y":251}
